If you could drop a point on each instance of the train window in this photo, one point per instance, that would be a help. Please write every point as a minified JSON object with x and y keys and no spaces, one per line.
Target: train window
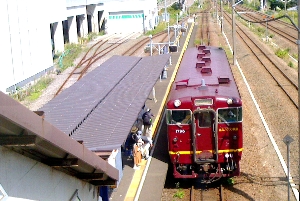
{"x":230,"y":115}
{"x":205,"y":119}
{"x":178,"y":117}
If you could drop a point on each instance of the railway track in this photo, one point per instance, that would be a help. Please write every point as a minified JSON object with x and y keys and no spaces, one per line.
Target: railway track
{"x":131,"y":51}
{"x":262,"y":15}
{"x":283,"y":29}
{"x":100,"y":50}
{"x":207,"y":194}
{"x":288,"y":85}
{"x":91,"y":56}
{"x":193,"y":190}
{"x":203,"y":26}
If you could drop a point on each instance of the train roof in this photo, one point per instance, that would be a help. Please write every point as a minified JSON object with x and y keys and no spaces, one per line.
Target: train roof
{"x":204,"y":71}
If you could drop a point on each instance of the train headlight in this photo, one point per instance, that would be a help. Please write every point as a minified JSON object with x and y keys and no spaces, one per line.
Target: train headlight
{"x":229,"y":101}
{"x":177,"y":103}
{"x":232,"y":101}
{"x":175,"y":139}
{"x":234,"y":137}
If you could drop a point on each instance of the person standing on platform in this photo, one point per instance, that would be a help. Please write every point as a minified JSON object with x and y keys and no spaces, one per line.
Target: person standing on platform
{"x":137,"y":154}
{"x":137,"y":136}
{"x":146,"y":147}
{"x":147,"y":121}
{"x":147,"y":143}
{"x":139,"y":121}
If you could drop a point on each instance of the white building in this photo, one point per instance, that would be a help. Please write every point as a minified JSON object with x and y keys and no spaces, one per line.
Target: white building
{"x":31,"y":28}
{"x":130,"y":16}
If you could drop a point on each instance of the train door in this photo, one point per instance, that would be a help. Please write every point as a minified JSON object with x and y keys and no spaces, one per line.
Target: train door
{"x":204,"y":136}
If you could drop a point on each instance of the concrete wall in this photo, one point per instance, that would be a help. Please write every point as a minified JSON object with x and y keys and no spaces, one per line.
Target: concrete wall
{"x":23,"y":177}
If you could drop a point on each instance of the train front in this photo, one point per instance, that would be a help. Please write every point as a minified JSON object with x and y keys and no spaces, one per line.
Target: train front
{"x":205,"y":136}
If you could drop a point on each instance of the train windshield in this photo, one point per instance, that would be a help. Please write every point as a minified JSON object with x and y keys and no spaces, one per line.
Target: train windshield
{"x":179,"y":116}
{"x":205,"y":119}
{"x":230,"y":115}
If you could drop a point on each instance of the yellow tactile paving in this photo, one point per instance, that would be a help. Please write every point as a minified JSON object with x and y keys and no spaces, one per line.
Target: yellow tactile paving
{"x":135,"y":182}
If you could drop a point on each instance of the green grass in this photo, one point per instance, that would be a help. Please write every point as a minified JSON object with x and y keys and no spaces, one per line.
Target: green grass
{"x":230,"y":181}
{"x":197,"y":42}
{"x":162,"y":26}
{"x":290,"y":64}
{"x":67,"y":58}
{"x":254,"y":4}
{"x":282,"y":53}
{"x":37,"y":89}
{"x":295,"y":56}
{"x":34,"y":91}
{"x":72,"y":51}
{"x":179,"y":193}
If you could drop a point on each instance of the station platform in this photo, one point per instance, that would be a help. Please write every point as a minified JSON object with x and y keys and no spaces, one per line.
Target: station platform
{"x":134,"y":182}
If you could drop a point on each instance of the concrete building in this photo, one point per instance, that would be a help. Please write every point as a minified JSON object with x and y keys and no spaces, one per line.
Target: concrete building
{"x":130,"y":16}
{"x":32,"y":32}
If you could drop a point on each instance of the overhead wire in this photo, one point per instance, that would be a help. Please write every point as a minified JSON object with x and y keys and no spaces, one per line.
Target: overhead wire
{"x":269,"y":19}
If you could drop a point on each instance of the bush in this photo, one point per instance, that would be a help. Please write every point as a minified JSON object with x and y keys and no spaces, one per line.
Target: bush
{"x":260,"y":29}
{"x":282,"y":53}
{"x":275,"y":5}
{"x":197,"y":42}
{"x":291,"y":64}
{"x":68,"y":57}
{"x":177,"y":6}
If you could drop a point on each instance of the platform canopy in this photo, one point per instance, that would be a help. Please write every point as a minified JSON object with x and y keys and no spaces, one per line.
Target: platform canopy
{"x":101,"y":108}
{"x":29,"y":134}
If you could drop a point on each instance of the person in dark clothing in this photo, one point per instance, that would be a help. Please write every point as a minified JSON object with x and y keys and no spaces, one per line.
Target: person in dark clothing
{"x":139,"y":121}
{"x":130,"y":142}
{"x":147,"y":121}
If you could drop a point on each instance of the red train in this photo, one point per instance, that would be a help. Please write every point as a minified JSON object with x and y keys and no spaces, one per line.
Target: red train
{"x":204,"y":117}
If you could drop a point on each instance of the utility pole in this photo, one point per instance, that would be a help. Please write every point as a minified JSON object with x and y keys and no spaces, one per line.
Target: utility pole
{"x":221,"y":4}
{"x":165,"y":10}
{"x":150,"y":36}
{"x":233,"y":32}
{"x":217,"y":10}
{"x":285,"y":6}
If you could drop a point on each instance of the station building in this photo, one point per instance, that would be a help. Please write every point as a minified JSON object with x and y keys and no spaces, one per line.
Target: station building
{"x":32,"y":32}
